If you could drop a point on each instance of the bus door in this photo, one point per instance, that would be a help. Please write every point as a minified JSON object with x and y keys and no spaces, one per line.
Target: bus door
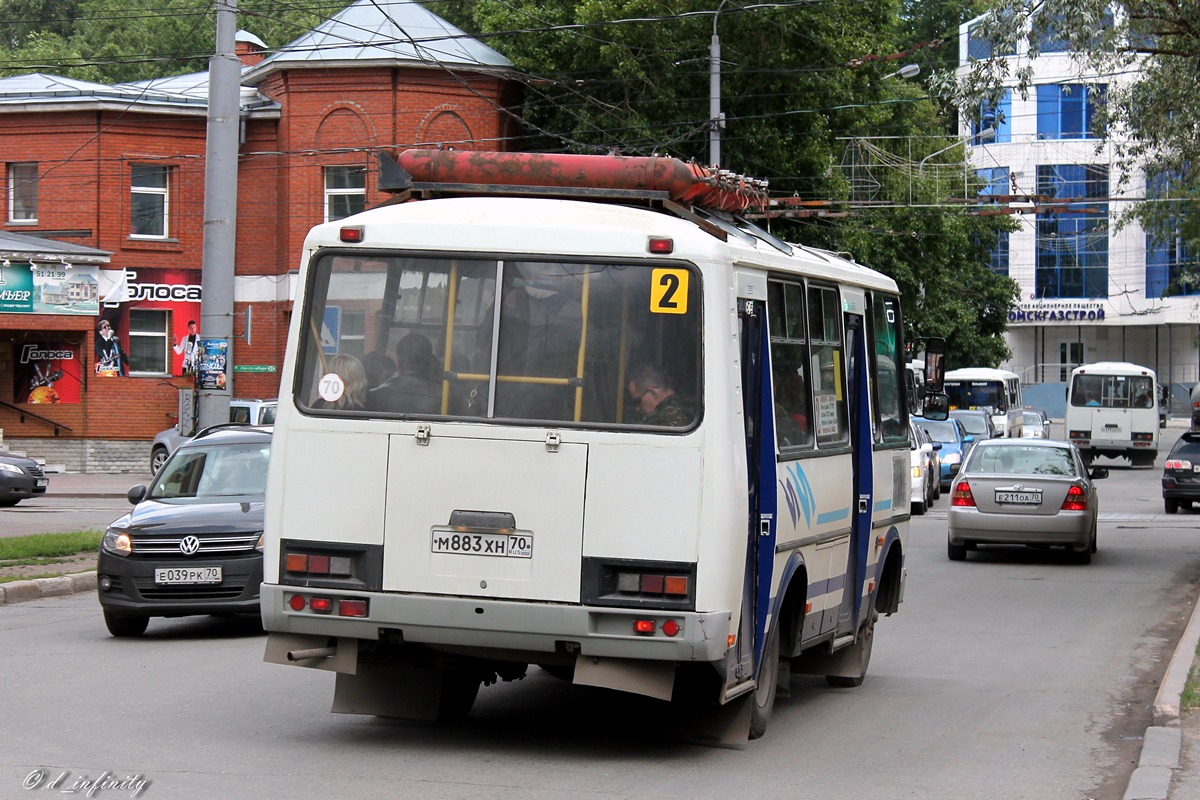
{"x":760,"y":462}
{"x":858,"y":408}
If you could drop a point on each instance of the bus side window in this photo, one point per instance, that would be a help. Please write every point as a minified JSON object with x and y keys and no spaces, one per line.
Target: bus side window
{"x":793,"y":415}
{"x":825,"y":373}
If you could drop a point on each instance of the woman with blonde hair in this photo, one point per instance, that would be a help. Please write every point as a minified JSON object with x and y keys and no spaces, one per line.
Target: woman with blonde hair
{"x":354,"y":379}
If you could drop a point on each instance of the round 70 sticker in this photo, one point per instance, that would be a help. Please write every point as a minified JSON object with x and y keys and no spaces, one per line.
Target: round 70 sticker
{"x":331,"y":387}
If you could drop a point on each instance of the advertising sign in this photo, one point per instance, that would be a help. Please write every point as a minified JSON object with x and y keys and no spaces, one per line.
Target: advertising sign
{"x":47,"y":372}
{"x":50,"y":289}
{"x":214,"y":356}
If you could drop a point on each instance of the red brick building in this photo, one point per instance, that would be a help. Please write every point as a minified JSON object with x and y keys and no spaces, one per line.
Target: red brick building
{"x":103,"y":213}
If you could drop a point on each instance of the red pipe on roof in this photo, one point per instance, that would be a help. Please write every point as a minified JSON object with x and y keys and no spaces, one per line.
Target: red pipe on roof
{"x":683,"y":182}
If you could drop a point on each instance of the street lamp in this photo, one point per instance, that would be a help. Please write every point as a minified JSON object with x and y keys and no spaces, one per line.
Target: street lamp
{"x":986,"y":133}
{"x":716,"y":120}
{"x":906,"y":72}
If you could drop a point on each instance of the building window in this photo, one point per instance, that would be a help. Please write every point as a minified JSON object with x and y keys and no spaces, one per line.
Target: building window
{"x":22,"y":192}
{"x":149,"y":341}
{"x":994,"y":121}
{"x":1068,"y":111}
{"x":1070,"y":356}
{"x":149,"y":188}
{"x":1072,"y":240}
{"x":995,"y":183}
{"x":980,"y":46}
{"x":345,"y":192}
{"x":1171,"y":271}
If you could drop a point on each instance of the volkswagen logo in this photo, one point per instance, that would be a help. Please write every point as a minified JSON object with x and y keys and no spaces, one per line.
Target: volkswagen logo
{"x":189,"y":545}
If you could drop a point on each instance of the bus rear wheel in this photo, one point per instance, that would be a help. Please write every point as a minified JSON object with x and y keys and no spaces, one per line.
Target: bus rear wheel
{"x":764,"y":694}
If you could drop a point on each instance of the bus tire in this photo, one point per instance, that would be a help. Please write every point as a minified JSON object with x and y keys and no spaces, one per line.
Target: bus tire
{"x":459,"y":690}
{"x":763,"y":701}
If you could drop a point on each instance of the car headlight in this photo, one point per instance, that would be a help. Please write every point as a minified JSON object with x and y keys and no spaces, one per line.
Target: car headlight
{"x":262,"y":538}
{"x":117,"y":542}
{"x":13,"y":468}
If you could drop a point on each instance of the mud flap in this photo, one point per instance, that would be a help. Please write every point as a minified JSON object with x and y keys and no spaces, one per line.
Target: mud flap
{"x":650,"y":678}
{"x":389,"y":691}
{"x":725,"y":725}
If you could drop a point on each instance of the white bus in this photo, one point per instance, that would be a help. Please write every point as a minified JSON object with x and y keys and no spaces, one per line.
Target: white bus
{"x":640,"y":444}
{"x":984,"y":388}
{"x":1112,"y":410}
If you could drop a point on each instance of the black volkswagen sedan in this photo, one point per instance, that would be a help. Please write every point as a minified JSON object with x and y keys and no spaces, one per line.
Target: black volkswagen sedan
{"x":193,"y":542}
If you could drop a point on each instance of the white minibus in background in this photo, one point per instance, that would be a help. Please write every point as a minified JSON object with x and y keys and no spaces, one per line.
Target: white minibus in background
{"x":1112,"y":410}
{"x":997,"y":390}
{"x":624,"y":435}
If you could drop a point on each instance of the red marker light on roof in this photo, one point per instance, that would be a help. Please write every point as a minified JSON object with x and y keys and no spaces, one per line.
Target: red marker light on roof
{"x":660,"y":245}
{"x":351,"y":233}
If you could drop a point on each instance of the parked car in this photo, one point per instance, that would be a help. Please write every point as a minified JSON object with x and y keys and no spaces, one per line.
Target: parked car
{"x":924,"y":470}
{"x":20,"y":479}
{"x":246,"y":412}
{"x":1037,"y":424}
{"x":1024,"y":491}
{"x":978,"y":423}
{"x":1181,"y":473}
{"x":193,"y":542}
{"x":955,"y":445}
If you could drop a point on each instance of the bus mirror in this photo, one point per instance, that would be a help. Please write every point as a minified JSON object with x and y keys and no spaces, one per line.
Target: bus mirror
{"x":936,"y":406}
{"x":935,"y":364}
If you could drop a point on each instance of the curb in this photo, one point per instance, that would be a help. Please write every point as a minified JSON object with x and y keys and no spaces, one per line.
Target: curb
{"x":1163,"y":743}
{"x":37,"y":588}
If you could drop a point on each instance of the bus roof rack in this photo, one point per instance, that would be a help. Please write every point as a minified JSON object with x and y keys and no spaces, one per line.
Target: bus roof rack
{"x":432,"y":173}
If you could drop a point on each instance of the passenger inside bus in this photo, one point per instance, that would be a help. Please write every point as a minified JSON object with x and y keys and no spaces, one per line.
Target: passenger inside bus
{"x":653,"y":393}
{"x":414,"y":388}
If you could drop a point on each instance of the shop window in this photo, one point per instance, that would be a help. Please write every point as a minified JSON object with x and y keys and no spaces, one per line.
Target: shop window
{"x":22,"y":192}
{"x":345,"y":192}
{"x":150,"y":201}
{"x":149,"y":342}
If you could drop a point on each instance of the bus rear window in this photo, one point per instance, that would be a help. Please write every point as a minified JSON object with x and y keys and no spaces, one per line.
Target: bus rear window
{"x":597,"y":344}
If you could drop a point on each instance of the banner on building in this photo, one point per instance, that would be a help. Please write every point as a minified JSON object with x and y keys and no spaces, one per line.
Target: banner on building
{"x":47,"y":372}
{"x":34,"y":288}
{"x":160,"y":308}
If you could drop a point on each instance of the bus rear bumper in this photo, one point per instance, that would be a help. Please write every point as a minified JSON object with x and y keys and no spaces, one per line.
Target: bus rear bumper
{"x":493,"y":628}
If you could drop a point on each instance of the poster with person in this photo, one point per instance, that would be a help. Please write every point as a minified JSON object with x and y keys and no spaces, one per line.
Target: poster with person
{"x":111,"y":359}
{"x":188,"y":346}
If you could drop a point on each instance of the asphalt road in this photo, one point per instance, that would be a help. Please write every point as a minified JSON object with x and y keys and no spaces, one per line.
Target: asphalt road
{"x":1012,"y":675}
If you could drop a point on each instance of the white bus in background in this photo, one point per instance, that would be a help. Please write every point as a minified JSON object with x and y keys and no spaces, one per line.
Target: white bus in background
{"x":550,"y":497}
{"x":1112,"y":410}
{"x":997,"y":390}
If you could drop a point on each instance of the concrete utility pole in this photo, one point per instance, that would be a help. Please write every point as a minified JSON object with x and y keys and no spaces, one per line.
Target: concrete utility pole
{"x":220,"y":218}
{"x":716,"y":120}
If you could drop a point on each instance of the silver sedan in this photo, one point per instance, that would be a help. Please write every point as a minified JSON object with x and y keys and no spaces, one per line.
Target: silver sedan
{"x":1024,"y":491}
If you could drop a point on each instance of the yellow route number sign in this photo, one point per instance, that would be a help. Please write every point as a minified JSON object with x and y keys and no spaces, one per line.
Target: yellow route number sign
{"x":669,"y":291}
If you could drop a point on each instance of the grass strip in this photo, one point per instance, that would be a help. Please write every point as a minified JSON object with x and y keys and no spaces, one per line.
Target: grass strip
{"x":49,"y":545}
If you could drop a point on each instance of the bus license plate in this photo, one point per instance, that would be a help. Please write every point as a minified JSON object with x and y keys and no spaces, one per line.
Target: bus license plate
{"x":188,"y":575}
{"x":1019,"y":498}
{"x":507,"y":545}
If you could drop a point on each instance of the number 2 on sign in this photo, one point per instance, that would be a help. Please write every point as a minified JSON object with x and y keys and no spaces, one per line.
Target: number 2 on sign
{"x":668,"y":291}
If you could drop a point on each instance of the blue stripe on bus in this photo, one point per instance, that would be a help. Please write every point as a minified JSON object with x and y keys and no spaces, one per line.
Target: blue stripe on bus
{"x":833,"y":584}
{"x":883,"y":505}
{"x":832,"y":516}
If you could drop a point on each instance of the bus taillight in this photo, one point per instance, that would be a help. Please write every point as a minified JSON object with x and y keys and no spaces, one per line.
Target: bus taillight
{"x":962,"y":495}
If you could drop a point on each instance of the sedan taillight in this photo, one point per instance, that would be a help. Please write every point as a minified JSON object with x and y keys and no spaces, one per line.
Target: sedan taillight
{"x":1075,"y":500}
{"x":1178,"y":463}
{"x":962,"y":495}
